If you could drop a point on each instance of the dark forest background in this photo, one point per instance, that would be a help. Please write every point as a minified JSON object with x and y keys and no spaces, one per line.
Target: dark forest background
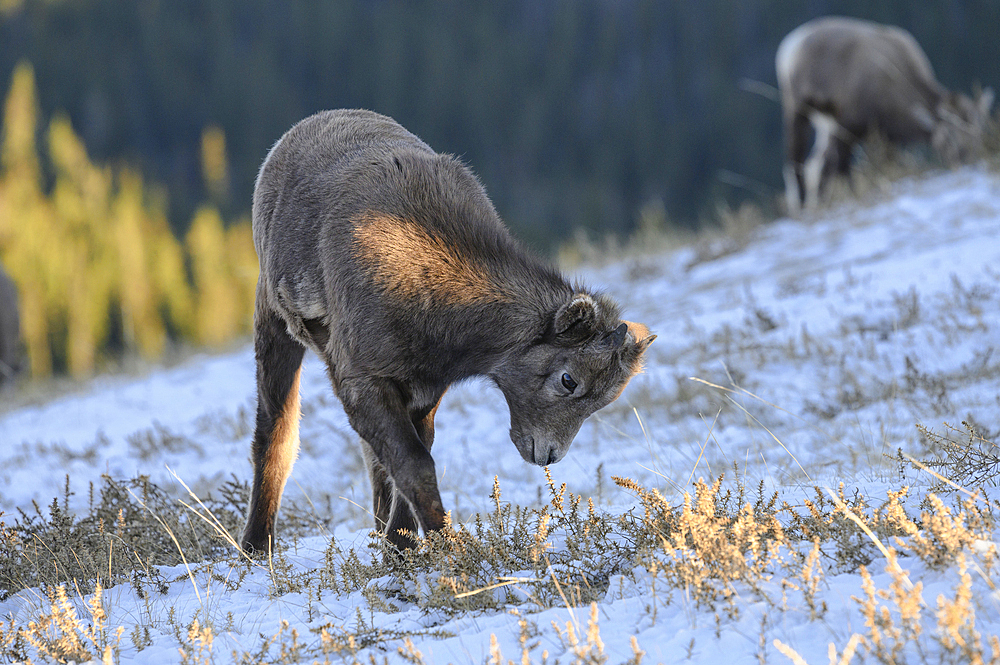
{"x":132,"y":131}
{"x":573,"y":112}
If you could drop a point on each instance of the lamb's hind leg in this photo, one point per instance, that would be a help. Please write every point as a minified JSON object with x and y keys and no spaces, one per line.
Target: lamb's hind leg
{"x":381,"y":487}
{"x":276,"y":437}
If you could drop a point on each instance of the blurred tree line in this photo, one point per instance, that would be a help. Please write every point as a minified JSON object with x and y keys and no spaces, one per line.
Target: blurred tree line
{"x":100,"y":272}
{"x":575,"y":114}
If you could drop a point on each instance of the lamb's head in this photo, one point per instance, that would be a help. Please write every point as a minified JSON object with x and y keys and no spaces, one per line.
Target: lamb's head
{"x":582,"y":363}
{"x":957,"y":135}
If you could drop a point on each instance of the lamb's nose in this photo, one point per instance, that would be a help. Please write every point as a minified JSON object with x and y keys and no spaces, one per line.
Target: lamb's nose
{"x":552,"y":457}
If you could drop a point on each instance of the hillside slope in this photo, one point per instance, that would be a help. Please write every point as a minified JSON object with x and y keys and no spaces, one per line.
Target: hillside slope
{"x":804,"y":359}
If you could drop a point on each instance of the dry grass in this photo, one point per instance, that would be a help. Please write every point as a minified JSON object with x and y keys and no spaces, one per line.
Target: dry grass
{"x":897,"y":618}
{"x":722,"y":547}
{"x":130,"y":528}
{"x":60,"y":634}
{"x":50,"y":548}
{"x":966,"y":458}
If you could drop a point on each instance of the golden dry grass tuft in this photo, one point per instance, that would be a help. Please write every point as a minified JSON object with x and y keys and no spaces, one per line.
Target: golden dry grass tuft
{"x":61,"y":634}
{"x":722,"y":548}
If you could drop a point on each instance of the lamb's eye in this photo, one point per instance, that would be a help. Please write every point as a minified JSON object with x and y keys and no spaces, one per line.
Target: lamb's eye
{"x":568,"y":382}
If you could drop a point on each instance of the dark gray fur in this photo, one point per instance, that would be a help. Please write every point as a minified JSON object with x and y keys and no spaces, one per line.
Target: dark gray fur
{"x":11,"y":356}
{"x":391,"y":358}
{"x":855,"y":76}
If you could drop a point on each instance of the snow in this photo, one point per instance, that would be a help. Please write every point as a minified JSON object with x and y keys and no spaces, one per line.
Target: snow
{"x":803,"y":357}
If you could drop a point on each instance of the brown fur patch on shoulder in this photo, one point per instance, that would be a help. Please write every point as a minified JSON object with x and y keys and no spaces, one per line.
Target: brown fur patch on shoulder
{"x":409,"y":262}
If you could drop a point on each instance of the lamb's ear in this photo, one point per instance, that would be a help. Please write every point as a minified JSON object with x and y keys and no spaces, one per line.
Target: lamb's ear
{"x":576,"y":318}
{"x":614,"y":338}
{"x":639,"y":335}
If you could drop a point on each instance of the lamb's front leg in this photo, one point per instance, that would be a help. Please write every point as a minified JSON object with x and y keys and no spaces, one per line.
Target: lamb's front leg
{"x":378,"y":412}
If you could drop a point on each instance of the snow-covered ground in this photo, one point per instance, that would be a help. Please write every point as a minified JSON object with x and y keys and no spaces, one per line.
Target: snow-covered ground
{"x":803,"y":358}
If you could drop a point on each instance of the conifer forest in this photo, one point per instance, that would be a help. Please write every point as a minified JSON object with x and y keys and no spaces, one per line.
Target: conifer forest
{"x":132,"y":131}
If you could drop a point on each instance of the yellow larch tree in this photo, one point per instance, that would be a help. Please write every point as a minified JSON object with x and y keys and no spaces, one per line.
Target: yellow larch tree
{"x":87,"y":267}
{"x":98,"y":248}
{"x":216,"y":299}
{"x":27,"y":229}
{"x":242,"y":260}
